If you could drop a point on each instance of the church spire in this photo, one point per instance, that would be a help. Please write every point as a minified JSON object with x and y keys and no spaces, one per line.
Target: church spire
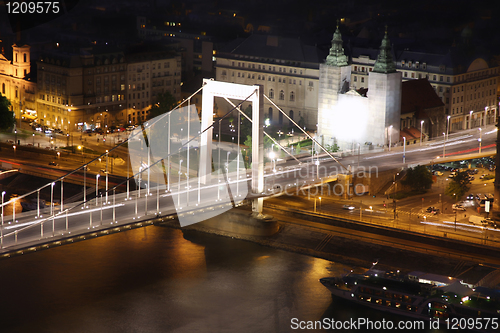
{"x":337,"y":56}
{"x":384,"y":63}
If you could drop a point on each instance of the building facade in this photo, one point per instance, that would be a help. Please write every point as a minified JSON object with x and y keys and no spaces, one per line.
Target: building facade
{"x":288,"y":70}
{"x":95,"y":88}
{"x":150,"y":74}
{"x":77,"y":91}
{"x":16,"y":84}
{"x":468,"y":89}
{"x":348,"y":117}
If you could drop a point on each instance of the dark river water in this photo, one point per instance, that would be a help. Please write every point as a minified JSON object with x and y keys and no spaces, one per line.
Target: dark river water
{"x":155,"y":279}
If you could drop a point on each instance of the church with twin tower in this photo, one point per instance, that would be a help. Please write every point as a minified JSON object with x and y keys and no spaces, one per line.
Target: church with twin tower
{"x":347,"y":117}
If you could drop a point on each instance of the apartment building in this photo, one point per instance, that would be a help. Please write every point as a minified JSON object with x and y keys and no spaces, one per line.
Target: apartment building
{"x":149,"y":74}
{"x":102,"y":87}
{"x":81,"y":90}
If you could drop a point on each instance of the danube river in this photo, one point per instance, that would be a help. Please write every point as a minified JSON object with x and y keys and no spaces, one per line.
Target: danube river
{"x":155,"y":279}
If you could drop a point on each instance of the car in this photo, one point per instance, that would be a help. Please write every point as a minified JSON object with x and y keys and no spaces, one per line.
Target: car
{"x":457,"y":206}
{"x":482,"y":176}
{"x":470,"y":196}
{"x":348,"y":207}
{"x":277,"y":188}
{"x":478,"y":196}
{"x":432,"y":210}
{"x":438,"y":173}
{"x":471,"y":178}
{"x":53,"y":163}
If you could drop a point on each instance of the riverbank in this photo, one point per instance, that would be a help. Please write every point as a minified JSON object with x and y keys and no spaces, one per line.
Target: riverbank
{"x":321,"y":243}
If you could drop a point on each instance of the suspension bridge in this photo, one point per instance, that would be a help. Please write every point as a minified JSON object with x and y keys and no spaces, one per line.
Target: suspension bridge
{"x":178,"y":169}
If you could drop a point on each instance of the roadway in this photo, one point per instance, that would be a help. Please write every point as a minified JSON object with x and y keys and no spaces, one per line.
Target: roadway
{"x":290,"y":176}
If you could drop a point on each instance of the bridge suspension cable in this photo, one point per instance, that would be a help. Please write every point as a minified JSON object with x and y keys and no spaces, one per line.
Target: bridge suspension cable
{"x":309,"y":136}
{"x":270,"y":137}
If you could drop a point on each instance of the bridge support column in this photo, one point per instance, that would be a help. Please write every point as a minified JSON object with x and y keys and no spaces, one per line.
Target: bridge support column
{"x":258,"y":149}
{"x":345,"y":181}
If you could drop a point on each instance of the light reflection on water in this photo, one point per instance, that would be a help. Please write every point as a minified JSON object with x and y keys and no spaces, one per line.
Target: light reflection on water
{"x":154,"y":280}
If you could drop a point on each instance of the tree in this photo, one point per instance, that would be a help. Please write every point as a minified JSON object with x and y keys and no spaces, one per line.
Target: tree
{"x":454,"y":191}
{"x":458,"y":186}
{"x":418,"y":178}
{"x":332,"y":148}
{"x":7,"y":119}
{"x":166,"y":102}
{"x":248,"y":151}
{"x":246,"y":125}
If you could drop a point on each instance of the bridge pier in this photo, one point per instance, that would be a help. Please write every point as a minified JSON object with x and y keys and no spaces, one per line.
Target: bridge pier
{"x":239,"y":221}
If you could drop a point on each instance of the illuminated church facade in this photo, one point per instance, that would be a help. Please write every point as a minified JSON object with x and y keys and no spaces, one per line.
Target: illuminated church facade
{"x":348,"y":117}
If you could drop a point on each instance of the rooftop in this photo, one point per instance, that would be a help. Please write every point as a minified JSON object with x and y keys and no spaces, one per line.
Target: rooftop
{"x":417,"y":96}
{"x":269,"y":48}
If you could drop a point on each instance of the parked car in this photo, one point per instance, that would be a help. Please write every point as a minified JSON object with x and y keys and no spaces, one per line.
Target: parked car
{"x":457,"y":206}
{"x":471,"y":178}
{"x":482,"y":176}
{"x":438,"y":173}
{"x":348,"y":207}
{"x":53,"y":163}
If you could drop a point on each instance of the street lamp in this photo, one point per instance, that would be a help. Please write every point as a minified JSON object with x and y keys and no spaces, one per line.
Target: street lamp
{"x":448,"y":128}
{"x":96,"y":188}
{"x":444,"y":144}
{"x":81,"y":148}
{"x":404,"y":150}
{"x":390,"y":137}
{"x":179,"y":185}
{"x":421,"y":128}
{"x":52,"y":198}
{"x":107,"y":158}
{"x":480,"y":139}
{"x":1,"y":229}
{"x":272,"y":156}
